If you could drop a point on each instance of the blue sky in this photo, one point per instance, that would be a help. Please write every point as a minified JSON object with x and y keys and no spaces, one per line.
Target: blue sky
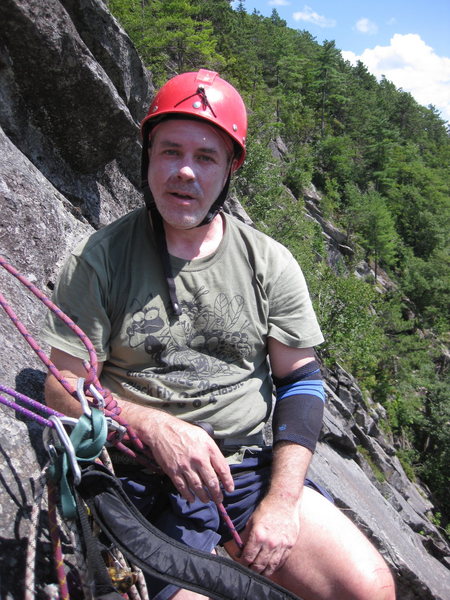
{"x":407,"y":41}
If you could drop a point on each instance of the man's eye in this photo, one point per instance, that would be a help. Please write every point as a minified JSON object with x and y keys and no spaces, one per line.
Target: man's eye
{"x":206,"y":158}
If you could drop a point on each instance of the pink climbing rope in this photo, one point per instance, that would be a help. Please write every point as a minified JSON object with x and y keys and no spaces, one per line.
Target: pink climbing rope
{"x":141,"y":454}
{"x":56,"y":541}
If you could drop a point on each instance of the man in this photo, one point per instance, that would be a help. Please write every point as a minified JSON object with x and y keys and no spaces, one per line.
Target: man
{"x":195,"y":317}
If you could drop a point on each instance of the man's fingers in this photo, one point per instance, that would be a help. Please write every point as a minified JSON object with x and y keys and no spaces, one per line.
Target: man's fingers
{"x":192,"y":460}
{"x":261,"y":553}
{"x":212,"y":486}
{"x":182,"y":486}
{"x":275,"y":562}
{"x":265,"y":561}
{"x":222,"y":469}
{"x":204,"y":486}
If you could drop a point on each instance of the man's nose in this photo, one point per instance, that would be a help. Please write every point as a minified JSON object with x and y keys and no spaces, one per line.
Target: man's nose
{"x":186,"y":173}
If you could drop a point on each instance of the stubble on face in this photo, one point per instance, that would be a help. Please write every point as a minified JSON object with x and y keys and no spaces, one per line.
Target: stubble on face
{"x":188,"y":166}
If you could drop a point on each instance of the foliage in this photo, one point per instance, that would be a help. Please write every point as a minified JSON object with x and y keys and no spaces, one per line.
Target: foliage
{"x":170,"y":35}
{"x":382,"y":164}
{"x":378,"y":473}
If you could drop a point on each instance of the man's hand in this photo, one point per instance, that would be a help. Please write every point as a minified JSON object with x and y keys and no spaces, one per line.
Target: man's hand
{"x":269,"y":535}
{"x":188,"y":455}
{"x":273,"y":529}
{"x":185,"y":452}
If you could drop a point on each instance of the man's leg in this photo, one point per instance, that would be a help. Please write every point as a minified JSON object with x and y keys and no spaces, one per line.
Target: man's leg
{"x":332,"y":559}
{"x":187,"y":595}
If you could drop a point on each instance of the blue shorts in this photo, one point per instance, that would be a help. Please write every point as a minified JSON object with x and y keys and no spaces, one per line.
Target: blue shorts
{"x":197,"y":524}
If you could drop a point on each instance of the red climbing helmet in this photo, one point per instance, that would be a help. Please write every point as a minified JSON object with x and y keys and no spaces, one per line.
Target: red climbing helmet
{"x":203,"y":95}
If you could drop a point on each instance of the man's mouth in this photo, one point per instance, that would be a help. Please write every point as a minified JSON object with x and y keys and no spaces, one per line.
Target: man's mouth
{"x":182,"y":195}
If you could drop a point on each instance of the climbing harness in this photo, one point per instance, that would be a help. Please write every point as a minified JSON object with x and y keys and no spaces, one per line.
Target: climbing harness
{"x":214,"y":576}
{"x":88,"y":490}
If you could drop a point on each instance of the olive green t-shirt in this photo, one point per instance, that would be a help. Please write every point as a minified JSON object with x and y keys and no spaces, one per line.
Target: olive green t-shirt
{"x":208,"y":364}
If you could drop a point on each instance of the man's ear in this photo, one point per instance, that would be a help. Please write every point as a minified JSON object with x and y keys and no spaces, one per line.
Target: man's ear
{"x":234,"y":165}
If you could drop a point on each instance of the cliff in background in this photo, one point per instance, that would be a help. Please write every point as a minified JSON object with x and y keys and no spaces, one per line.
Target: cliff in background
{"x":72,"y":92}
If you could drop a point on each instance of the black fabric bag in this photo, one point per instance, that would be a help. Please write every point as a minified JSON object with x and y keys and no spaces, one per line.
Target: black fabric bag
{"x":158,"y":555}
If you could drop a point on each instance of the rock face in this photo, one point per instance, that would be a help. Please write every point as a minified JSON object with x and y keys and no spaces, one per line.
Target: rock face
{"x":72,"y":91}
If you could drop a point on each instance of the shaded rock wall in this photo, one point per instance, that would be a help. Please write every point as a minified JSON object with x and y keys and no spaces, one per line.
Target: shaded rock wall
{"x":72,"y":91}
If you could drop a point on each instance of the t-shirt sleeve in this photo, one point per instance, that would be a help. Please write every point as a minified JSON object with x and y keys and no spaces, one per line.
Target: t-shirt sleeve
{"x":81,"y":296}
{"x":292,"y":320}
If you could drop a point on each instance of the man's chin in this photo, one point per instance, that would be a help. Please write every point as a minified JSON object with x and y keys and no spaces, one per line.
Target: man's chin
{"x":182,"y":219}
{"x":183,"y":223}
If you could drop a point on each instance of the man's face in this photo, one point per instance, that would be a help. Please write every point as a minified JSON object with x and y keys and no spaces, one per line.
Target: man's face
{"x":188,"y":167}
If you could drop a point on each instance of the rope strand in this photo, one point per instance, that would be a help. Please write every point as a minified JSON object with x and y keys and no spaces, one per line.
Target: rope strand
{"x":141,"y":453}
{"x":56,"y":541}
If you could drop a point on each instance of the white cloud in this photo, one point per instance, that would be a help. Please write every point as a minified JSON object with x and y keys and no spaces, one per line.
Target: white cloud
{"x":310,"y":16}
{"x":365,"y":25}
{"x":279,"y":3}
{"x":413,"y":66}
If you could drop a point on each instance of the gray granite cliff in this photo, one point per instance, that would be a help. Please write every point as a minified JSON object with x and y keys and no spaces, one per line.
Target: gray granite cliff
{"x":72,"y":92}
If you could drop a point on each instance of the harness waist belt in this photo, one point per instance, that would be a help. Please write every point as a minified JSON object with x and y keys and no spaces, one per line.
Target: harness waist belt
{"x":230,"y":443}
{"x":226,"y":445}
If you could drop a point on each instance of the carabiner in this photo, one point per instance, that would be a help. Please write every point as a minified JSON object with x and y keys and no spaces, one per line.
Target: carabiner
{"x":97,"y":396}
{"x":119,"y":431}
{"x":66,"y":444}
{"x":82,"y":397}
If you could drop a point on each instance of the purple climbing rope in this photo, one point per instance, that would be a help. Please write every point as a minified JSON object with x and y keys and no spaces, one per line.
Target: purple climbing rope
{"x":141,"y":453}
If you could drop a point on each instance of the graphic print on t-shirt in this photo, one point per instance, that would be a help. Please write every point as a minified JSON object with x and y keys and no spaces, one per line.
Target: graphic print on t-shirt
{"x":206,"y":340}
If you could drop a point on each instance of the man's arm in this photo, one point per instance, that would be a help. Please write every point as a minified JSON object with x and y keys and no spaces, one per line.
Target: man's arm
{"x":185,"y":452}
{"x":274,"y":526}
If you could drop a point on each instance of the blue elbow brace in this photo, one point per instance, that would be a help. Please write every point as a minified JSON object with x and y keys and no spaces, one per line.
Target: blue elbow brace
{"x":299,"y":406}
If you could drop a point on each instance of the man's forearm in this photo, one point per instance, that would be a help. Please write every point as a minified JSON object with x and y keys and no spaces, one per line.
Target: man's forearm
{"x":137,"y":416}
{"x":185,"y":452}
{"x":289,"y":467}
{"x":59,"y":399}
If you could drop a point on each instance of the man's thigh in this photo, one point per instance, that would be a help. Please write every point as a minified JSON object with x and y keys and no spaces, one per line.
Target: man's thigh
{"x":332,"y":559}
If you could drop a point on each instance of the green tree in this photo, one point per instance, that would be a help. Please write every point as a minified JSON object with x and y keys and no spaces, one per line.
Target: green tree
{"x":368,"y":215}
{"x":329,"y":83}
{"x":170,"y":35}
